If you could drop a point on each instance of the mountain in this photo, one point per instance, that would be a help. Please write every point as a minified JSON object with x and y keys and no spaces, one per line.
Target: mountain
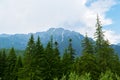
{"x":62,"y":36}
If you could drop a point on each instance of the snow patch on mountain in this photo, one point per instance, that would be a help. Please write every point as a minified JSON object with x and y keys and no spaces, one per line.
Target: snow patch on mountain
{"x":62,"y":36}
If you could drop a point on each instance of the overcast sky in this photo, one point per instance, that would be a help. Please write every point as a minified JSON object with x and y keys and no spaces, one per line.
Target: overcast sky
{"x":25,"y":16}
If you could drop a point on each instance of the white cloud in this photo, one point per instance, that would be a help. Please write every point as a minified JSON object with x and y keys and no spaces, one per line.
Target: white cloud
{"x":24,"y":16}
{"x":112,"y":36}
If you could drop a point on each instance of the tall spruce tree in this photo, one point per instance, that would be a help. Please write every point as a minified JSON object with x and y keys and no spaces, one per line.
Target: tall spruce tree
{"x":3,"y":64}
{"x":105,"y":54}
{"x":57,"y":61}
{"x":11,"y":61}
{"x":56,"y":51}
{"x":28,"y":69}
{"x":99,"y":36}
{"x":66,"y":63}
{"x":38,"y":58}
{"x":18,"y":66}
{"x":100,"y":53}
{"x":87,"y":46}
{"x":68,"y":59}
{"x":48,"y":62}
{"x":71,"y":51}
{"x":87,"y":61}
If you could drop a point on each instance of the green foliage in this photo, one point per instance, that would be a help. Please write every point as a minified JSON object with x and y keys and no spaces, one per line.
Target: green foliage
{"x":66,"y":63}
{"x":105,"y":55}
{"x":63,"y":78}
{"x":28,"y":68}
{"x":99,"y":36}
{"x":71,"y":51}
{"x":87,"y":60}
{"x":47,"y":63}
{"x":17,"y":68}
{"x":108,"y":75}
{"x":68,"y":59}
{"x":86,"y":76}
{"x":73,"y":76}
{"x":37,"y":59}
{"x":50,"y":62}
{"x":87,"y":64}
{"x":3,"y":64}
{"x":117,"y":77}
{"x":11,"y":62}
{"x":87,"y":46}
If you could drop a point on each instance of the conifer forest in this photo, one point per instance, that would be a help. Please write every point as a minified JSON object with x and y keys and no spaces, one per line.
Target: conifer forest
{"x":98,"y":60}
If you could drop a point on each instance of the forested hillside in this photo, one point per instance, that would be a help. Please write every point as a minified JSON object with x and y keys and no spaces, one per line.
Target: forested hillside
{"x":98,"y":61}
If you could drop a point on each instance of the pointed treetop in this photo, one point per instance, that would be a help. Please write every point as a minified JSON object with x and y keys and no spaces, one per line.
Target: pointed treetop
{"x":99,"y":34}
{"x":98,"y":21}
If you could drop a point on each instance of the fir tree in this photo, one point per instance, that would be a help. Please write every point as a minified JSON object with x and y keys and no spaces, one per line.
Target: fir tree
{"x":105,"y":54}
{"x":66,"y":63}
{"x":17,"y":68}
{"x":57,"y":61}
{"x":87,"y":61}
{"x":49,"y":63}
{"x":100,"y":47}
{"x":3,"y":64}
{"x":87,"y":46}
{"x":99,"y":36}
{"x":28,"y":68}
{"x":71,"y":51}
{"x":11,"y":61}
{"x":68,"y":59}
{"x":38,"y":58}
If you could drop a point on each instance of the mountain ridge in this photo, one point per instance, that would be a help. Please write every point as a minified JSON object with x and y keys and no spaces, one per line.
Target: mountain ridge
{"x":62,"y":36}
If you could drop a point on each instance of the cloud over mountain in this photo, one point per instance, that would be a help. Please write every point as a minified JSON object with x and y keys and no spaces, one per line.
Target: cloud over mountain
{"x":24,"y":16}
